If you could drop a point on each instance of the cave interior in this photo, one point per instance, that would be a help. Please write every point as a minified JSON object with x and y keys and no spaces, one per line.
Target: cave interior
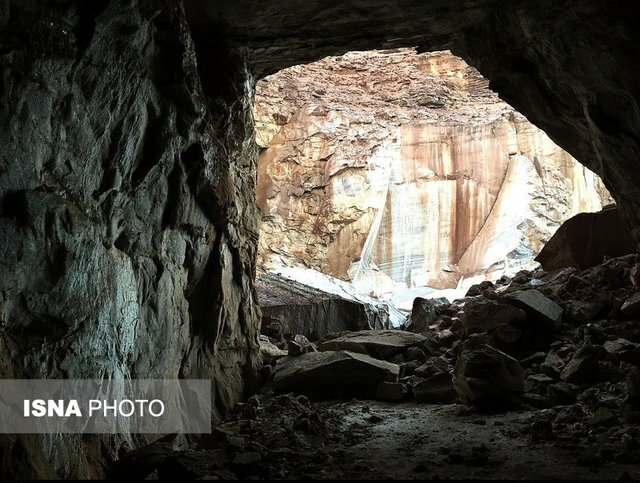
{"x":129,"y":233}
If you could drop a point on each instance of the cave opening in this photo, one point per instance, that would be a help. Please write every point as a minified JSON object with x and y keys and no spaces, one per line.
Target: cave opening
{"x":406,"y":175}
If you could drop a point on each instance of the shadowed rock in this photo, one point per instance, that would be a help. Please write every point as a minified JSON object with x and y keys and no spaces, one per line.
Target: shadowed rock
{"x":381,"y":344}
{"x":322,"y":374}
{"x":485,"y":375}
{"x":586,"y":239}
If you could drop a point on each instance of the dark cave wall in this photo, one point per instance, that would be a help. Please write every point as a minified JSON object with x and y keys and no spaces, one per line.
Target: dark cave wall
{"x":127,"y":219}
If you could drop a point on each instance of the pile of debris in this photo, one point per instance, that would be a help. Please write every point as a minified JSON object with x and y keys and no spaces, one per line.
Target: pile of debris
{"x":562,"y":342}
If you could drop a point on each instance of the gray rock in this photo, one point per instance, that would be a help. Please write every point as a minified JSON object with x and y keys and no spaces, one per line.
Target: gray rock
{"x":433,"y":366}
{"x":482,"y":314}
{"x":423,"y":314}
{"x":583,"y":365}
{"x":584,"y":240}
{"x":435,"y":389}
{"x":290,"y":307}
{"x":631,"y":306}
{"x":581,"y":313}
{"x":633,"y":384}
{"x":391,"y":391}
{"x":321,"y":374}
{"x":382,"y":344}
{"x":486,"y":374}
{"x":270,"y":352}
{"x":562,"y":393}
{"x":538,"y":307}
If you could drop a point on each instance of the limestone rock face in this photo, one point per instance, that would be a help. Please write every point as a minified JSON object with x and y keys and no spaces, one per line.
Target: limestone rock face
{"x":407,"y":164}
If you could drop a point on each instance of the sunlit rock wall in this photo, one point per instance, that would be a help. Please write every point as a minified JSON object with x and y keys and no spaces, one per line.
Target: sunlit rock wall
{"x":406,"y":170}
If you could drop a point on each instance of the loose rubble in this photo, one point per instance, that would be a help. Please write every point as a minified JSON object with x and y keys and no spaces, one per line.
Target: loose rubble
{"x":558,"y":350}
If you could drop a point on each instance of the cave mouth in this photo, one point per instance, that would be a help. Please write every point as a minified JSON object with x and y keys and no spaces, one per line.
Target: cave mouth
{"x":405,"y":174}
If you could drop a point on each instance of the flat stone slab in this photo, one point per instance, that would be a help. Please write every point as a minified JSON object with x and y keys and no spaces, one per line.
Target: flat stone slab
{"x":538,"y":306}
{"x":381,"y":344}
{"x":321,"y":374}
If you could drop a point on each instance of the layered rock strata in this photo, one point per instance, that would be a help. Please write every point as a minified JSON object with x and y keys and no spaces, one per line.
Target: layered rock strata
{"x":407,"y":164}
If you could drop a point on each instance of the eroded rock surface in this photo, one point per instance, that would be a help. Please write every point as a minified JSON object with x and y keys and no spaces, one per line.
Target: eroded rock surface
{"x":408,"y":164}
{"x":313,"y":305}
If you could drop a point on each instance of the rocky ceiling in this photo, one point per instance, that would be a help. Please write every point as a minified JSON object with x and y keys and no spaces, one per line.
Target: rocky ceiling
{"x":572,"y":67}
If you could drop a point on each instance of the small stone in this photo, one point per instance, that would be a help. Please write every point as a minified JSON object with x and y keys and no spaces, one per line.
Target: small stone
{"x":540,"y":308}
{"x":435,"y":389}
{"x":562,"y":393}
{"x":535,"y":358}
{"x":446,"y":338}
{"x":583,"y":365}
{"x":415,"y":354}
{"x":245,"y":459}
{"x":631,"y":306}
{"x":391,"y":391}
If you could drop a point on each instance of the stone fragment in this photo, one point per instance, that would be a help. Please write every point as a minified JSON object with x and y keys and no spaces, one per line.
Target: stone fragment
{"x":482,"y":314}
{"x":583,"y":365}
{"x":391,"y":391}
{"x":508,"y":333}
{"x":586,"y":239}
{"x":322,"y":374}
{"x":433,"y":366}
{"x":538,"y":307}
{"x":486,"y":374}
{"x":415,"y":354}
{"x":269,"y":352}
{"x":423,"y":314}
{"x":631,"y":306}
{"x":299,"y":345}
{"x":479,"y":288}
{"x":446,"y":338}
{"x":562,"y":393}
{"x":633,"y":384}
{"x":581,"y":313}
{"x":291,"y":307}
{"x":435,"y":389}
{"x":534,"y":358}
{"x":382,"y":344}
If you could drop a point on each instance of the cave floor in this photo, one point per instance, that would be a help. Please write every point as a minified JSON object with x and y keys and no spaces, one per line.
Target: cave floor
{"x":441,"y":442}
{"x":288,"y":437}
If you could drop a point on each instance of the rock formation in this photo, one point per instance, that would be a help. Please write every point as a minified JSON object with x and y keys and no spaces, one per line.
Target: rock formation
{"x":410,"y":164}
{"x":127,"y":222}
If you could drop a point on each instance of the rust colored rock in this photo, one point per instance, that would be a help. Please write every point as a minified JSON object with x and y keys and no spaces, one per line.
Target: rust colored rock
{"x":357,"y":160}
{"x":586,"y":239}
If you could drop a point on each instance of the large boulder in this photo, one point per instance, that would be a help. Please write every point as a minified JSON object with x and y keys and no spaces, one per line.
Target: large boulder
{"x":586,"y":239}
{"x":583,"y":365}
{"x":482,"y":314}
{"x":538,"y":307}
{"x":324,"y":374}
{"x":424,"y":314}
{"x":381,"y":344}
{"x":485,"y":374}
{"x":435,"y":389}
{"x":316,"y":307}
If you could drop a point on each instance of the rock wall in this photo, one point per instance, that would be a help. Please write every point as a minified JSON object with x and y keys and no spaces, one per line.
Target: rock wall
{"x":127,"y":222}
{"x":408,"y":162}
